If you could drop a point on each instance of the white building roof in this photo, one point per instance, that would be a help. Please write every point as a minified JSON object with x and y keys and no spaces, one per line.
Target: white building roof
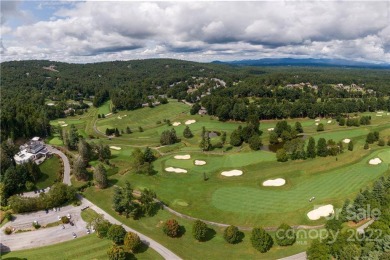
{"x":36,"y":138}
{"x":23,"y":156}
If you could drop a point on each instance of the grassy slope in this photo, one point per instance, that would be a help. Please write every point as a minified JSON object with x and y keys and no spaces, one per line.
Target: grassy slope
{"x":49,"y":169}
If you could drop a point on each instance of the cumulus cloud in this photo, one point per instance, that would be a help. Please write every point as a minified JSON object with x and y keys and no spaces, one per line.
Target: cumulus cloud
{"x":92,"y":31}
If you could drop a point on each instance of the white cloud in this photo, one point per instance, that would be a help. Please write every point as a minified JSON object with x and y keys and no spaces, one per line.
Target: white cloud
{"x":206,"y":31}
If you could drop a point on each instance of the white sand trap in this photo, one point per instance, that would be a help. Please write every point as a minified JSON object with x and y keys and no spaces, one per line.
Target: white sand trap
{"x":275,"y":182}
{"x":176,"y":123}
{"x":378,"y":115}
{"x":375,"y":161}
{"x":115,"y":148}
{"x":119,"y":117}
{"x":124,"y":115}
{"x":188,"y":122}
{"x":388,"y":114}
{"x":318,"y":120}
{"x":380,"y":112}
{"x":61,"y":122}
{"x":317,"y":123}
{"x":271,"y":129}
{"x":183,"y":157}
{"x":322,"y":211}
{"x":346,"y":141}
{"x":177,"y":170}
{"x":231,"y":173}
{"x":109,"y":114}
{"x":63,"y":125}
{"x":329,"y":121}
{"x":200,"y":162}
{"x":52,"y":104}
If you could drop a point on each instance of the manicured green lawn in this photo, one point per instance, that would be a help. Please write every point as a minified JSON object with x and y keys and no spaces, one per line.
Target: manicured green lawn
{"x":87,"y":247}
{"x":186,"y":246}
{"x":105,"y":108}
{"x":49,"y":168}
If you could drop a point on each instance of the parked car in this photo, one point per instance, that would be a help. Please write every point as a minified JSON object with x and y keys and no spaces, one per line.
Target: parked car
{"x":74,"y":235}
{"x":68,"y":216}
{"x":88,"y":231}
{"x":59,"y":218}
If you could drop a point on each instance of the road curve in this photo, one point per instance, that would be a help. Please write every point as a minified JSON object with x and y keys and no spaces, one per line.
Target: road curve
{"x":65,"y":159}
{"x":163,"y":251}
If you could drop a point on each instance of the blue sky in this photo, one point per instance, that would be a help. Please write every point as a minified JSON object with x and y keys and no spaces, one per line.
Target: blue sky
{"x":91,"y":31}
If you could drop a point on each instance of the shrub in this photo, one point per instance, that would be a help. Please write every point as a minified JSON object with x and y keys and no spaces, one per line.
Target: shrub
{"x":320,"y":127}
{"x":36,"y":225}
{"x":350,"y":146}
{"x":29,"y":186}
{"x":132,"y":242}
{"x":117,"y":234}
{"x":8,"y":231}
{"x":261,"y":240}
{"x":231,"y":234}
{"x":381,"y":142}
{"x":199,"y":230}
{"x":171,"y":228}
{"x":255,"y":142}
{"x":64,"y":220}
{"x":366,"y":146}
{"x":116,"y":253}
{"x":281,"y":155}
{"x":101,"y":226}
{"x":285,"y":235}
{"x":8,"y":216}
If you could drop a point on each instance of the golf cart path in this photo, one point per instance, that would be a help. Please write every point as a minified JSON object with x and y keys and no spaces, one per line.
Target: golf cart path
{"x":163,"y":251}
{"x":300,"y":256}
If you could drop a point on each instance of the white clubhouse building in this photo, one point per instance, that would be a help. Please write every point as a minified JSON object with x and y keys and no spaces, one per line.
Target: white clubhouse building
{"x":33,"y":150}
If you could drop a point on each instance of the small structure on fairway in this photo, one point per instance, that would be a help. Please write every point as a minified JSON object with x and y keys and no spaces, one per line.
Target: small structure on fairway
{"x":182,"y":157}
{"x":275,"y":182}
{"x":176,"y":170}
{"x":375,"y":161}
{"x":200,"y":162}
{"x":115,"y":148}
{"x":231,"y":173}
{"x":322,"y":211}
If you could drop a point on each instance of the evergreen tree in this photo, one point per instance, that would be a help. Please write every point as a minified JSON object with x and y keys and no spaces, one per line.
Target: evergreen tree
{"x":73,"y":137}
{"x":205,"y":143}
{"x":128,"y":130}
{"x":235,"y":138}
{"x":148,"y":155}
{"x":370,"y":138}
{"x":84,"y":150}
{"x":366,"y":146}
{"x":311,"y":148}
{"x":255,"y":142}
{"x":261,"y":240}
{"x":298,"y":127}
{"x":187,"y":132}
{"x":199,"y":230}
{"x":285,"y":235}
{"x":116,"y":133}
{"x":320,"y":127}
{"x":100,"y":176}
{"x":273,"y":138}
{"x":117,"y":234}
{"x":79,"y":169}
{"x":231,"y":234}
{"x":223,"y":137}
{"x":281,"y":155}
{"x":350,"y":146}
{"x":317,"y":251}
{"x":322,"y":149}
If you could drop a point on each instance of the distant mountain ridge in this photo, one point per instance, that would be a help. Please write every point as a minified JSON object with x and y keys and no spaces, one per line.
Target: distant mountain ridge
{"x":305,"y":62}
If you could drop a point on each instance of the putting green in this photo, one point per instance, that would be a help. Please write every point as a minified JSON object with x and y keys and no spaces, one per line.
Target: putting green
{"x":324,"y":186}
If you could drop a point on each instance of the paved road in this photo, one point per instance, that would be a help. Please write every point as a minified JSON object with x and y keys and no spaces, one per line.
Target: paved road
{"x":44,"y":236}
{"x":360,"y":229}
{"x":163,"y":251}
{"x":300,"y":256}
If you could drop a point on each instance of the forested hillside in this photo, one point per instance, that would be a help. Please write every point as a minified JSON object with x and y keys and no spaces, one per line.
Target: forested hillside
{"x":224,"y":90}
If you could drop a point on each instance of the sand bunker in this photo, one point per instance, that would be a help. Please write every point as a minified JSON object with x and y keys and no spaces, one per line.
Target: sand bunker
{"x":275,"y":182}
{"x":317,"y":123}
{"x":115,"y":148}
{"x":329,"y":121}
{"x":380,"y":112}
{"x":200,"y":162}
{"x":108,"y":114}
{"x":231,"y":173}
{"x":61,"y":122}
{"x":318,"y":120}
{"x":50,"y":104}
{"x":271,"y":129}
{"x":119,"y":117}
{"x":183,"y":157}
{"x":188,"y":122}
{"x":177,"y":170}
{"x":322,"y":211}
{"x":375,"y":161}
{"x":378,"y":115}
{"x":63,"y":125}
{"x":176,"y":124}
{"x":347,"y":141}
